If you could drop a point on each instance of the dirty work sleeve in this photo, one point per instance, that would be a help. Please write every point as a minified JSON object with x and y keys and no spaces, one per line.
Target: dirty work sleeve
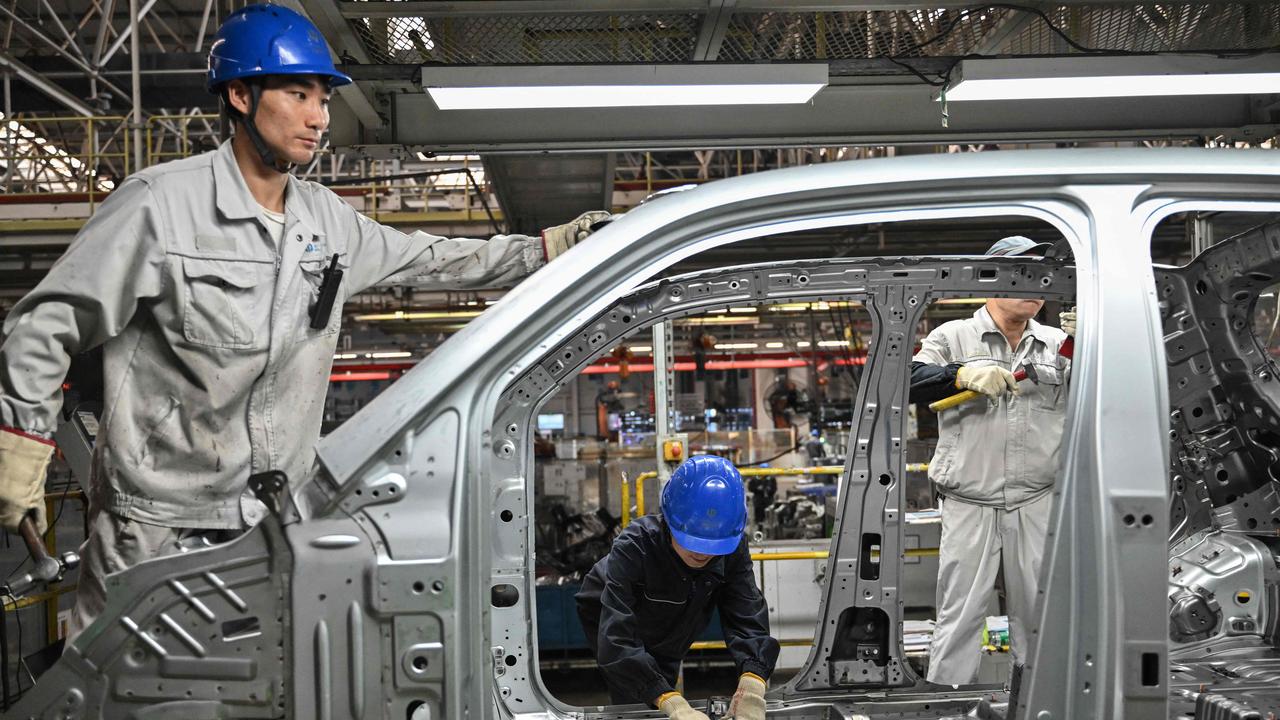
{"x":382,"y":254}
{"x":89,"y":296}
{"x":933,"y":371}
{"x":622,"y":657}
{"x":744,"y":617}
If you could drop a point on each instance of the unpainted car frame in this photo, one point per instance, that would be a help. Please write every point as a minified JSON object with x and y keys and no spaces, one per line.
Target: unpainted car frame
{"x":396,"y":581}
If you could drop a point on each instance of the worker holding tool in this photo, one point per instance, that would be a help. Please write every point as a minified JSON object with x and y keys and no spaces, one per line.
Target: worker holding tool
{"x":994,"y":466}
{"x":645,"y":602}
{"x":215,"y":285}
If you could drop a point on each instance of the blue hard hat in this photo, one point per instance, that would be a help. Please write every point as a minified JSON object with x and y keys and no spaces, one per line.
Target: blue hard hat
{"x":269,"y":40}
{"x":705,"y":505}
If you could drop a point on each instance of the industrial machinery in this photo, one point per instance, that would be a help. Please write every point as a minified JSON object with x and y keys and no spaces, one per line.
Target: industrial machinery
{"x":396,"y":580}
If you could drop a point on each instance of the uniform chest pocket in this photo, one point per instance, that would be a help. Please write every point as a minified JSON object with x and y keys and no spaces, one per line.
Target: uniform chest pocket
{"x":661,"y":607}
{"x":1049,"y":388}
{"x":312,"y":272}
{"x":227,"y":303}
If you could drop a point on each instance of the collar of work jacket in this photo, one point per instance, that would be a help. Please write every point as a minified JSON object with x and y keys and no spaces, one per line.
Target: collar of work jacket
{"x":987,"y":324}
{"x":236,"y":202}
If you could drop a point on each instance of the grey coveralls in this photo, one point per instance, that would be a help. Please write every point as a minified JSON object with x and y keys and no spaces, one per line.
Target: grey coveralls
{"x":994,"y":466}
{"x":212,"y":371}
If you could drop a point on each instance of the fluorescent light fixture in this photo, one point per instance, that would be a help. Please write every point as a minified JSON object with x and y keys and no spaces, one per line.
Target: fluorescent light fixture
{"x":641,"y":348}
{"x":802,"y":343}
{"x":427,"y":315}
{"x":833,"y":343}
{"x":719,"y":320}
{"x":774,"y":345}
{"x":390,"y":355}
{"x":737,"y":346}
{"x":585,"y":86}
{"x":1102,"y":77}
{"x":742,"y":309}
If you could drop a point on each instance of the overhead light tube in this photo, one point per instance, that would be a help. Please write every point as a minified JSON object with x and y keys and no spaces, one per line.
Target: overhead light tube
{"x":602,"y":86}
{"x":1110,"y":77}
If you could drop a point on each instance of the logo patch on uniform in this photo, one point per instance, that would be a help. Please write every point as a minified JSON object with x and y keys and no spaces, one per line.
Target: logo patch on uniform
{"x":312,"y":247}
{"x":215,"y":243}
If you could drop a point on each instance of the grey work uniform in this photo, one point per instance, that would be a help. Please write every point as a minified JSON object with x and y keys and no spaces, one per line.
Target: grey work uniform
{"x":212,"y":370}
{"x":995,"y":466}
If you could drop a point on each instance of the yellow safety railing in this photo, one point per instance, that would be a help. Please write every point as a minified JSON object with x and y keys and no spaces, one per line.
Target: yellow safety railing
{"x":746,"y":472}
{"x":719,"y":644}
{"x":173,"y":136}
{"x":159,"y":125}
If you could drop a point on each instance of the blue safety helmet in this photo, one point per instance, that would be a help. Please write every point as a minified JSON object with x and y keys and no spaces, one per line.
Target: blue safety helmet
{"x":705,"y":505}
{"x":269,"y":40}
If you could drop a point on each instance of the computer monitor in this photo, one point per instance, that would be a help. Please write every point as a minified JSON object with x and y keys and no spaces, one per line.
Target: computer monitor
{"x":551,"y":422}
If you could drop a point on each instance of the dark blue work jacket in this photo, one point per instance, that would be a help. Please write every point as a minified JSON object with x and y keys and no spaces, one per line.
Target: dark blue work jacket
{"x":641,"y":607}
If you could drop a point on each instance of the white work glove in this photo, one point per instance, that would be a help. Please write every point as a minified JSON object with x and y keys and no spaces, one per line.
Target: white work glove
{"x":677,"y":708}
{"x":1067,"y":320}
{"x":748,"y":701}
{"x":990,"y":380}
{"x":23,"y":461}
{"x":557,"y":240}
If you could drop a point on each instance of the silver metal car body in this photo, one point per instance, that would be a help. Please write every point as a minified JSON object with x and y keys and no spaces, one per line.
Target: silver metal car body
{"x":398,"y":582}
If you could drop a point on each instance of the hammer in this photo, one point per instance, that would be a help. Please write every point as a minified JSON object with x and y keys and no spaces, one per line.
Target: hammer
{"x":1024,"y":373}
{"x":1066,"y":350}
{"x":47,"y":569}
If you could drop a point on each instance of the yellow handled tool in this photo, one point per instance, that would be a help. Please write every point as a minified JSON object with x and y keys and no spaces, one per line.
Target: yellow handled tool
{"x":961,"y":398}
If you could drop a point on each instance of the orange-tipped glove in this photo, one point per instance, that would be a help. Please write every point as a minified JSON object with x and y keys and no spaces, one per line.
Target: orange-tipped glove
{"x":677,"y":708}
{"x":748,"y":701}
{"x":557,"y":240}
{"x":23,"y":461}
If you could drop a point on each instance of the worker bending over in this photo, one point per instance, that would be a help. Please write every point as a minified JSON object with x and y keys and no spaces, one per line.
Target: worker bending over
{"x":645,"y":602}
{"x":215,"y":285}
{"x":994,"y":467}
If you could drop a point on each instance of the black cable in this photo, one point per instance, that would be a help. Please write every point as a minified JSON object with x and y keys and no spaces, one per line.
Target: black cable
{"x":944,"y":78}
{"x":4,"y":656}
{"x":771,"y":459}
{"x":17,"y":670}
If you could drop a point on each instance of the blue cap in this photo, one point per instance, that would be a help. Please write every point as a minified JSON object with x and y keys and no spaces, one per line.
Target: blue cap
{"x":705,"y":505}
{"x":1015,"y":245}
{"x":268,"y":39}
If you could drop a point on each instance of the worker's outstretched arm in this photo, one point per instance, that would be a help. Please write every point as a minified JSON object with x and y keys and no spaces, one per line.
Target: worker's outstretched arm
{"x":378,"y":253}
{"x":933,"y":370}
{"x":744,"y":616}
{"x":621,"y":655}
{"x":88,"y":296}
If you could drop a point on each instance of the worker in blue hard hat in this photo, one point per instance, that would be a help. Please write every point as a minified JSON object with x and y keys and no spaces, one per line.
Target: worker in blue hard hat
{"x":645,"y":602}
{"x":215,"y":286}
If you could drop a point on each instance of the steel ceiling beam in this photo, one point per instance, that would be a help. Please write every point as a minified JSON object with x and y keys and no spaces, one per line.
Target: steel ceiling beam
{"x":89,"y":71}
{"x":472,"y":8}
{"x":334,"y":27}
{"x":714,"y":25}
{"x":842,"y":114}
{"x":32,"y":78}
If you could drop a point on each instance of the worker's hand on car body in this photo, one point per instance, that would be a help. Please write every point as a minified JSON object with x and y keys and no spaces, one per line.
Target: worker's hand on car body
{"x":677,"y":708}
{"x":1067,"y":320}
{"x":557,"y":240}
{"x":990,"y":380}
{"x":23,"y":461}
{"x":748,"y":701}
